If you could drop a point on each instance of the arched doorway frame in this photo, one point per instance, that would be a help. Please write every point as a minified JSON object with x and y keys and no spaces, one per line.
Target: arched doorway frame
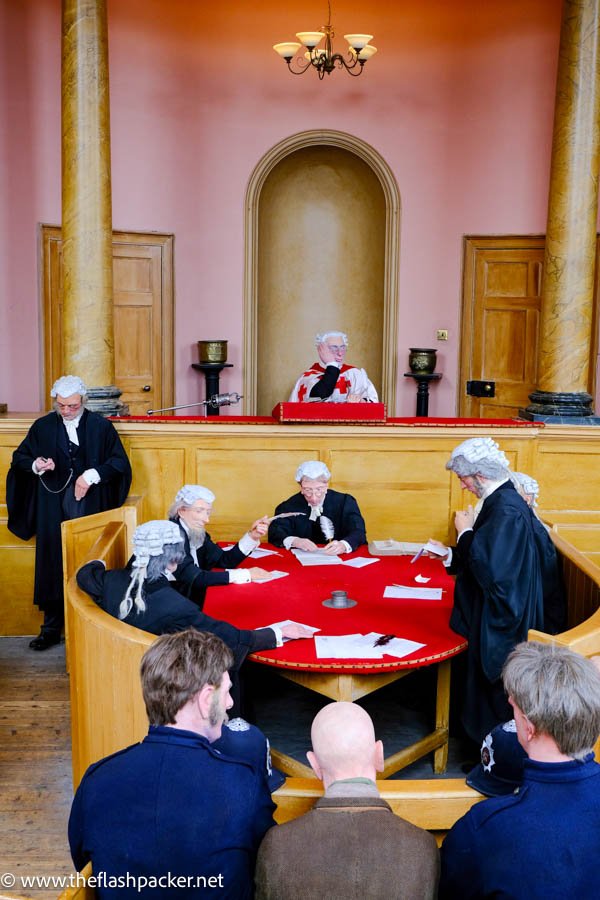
{"x":322,"y":137}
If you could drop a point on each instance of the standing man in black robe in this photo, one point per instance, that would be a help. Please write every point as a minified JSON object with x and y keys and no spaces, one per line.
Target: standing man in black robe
{"x":498,"y":595}
{"x":71,"y":464}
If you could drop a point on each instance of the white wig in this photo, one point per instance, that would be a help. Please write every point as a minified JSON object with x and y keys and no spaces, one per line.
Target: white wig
{"x":149,"y":540}
{"x":313,"y":468}
{"x":479,"y":456}
{"x":67,"y":385}
{"x":322,"y":337}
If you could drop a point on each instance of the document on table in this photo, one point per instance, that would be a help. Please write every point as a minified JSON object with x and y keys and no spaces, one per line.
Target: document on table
{"x":399,"y":548}
{"x":270,"y":576}
{"x":401,"y":592}
{"x":362,"y":646}
{"x":316,"y":558}
{"x":359,"y":562}
{"x":260,"y":552}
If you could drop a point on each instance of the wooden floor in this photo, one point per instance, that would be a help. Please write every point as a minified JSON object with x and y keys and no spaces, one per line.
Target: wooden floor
{"x":35,"y":766}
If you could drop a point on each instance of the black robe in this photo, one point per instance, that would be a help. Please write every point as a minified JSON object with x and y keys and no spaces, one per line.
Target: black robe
{"x":166,"y":610}
{"x":36,"y":503}
{"x":342,"y":509}
{"x":191,"y":580}
{"x":498,"y":597}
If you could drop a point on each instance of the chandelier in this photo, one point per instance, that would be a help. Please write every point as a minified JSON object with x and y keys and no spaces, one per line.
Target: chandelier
{"x":323,"y":59}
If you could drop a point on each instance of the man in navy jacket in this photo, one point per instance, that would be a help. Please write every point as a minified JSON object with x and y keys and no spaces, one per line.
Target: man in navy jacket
{"x":173,"y":815}
{"x":542,"y":840}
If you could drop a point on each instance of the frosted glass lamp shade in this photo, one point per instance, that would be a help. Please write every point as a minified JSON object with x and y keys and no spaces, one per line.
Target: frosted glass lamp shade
{"x":288,"y":50}
{"x":309,"y":38}
{"x":358,"y":41}
{"x":367,"y":52}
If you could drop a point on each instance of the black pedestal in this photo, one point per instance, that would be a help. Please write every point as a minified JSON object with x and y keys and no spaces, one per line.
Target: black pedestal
{"x":212,"y":372}
{"x":423,"y":390}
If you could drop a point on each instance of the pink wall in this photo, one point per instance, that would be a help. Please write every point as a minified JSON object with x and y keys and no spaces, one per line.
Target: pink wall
{"x":458,"y":101}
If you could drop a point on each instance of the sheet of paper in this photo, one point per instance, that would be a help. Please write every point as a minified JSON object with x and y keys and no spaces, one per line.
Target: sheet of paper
{"x":421,"y":579}
{"x":259,"y":553}
{"x":399,"y":647}
{"x":291,"y":622}
{"x":359,"y":562}
{"x":316,"y":558}
{"x":401,"y":592}
{"x":270,"y":576}
{"x":345,"y":646}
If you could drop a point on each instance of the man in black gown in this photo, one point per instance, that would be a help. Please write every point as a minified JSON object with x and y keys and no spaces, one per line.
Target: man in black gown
{"x":318,"y":510}
{"x":71,"y":464}
{"x":498,"y":594}
{"x":141,"y":594}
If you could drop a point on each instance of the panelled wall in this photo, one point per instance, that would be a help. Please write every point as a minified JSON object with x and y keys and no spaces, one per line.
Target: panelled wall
{"x":396,"y":472}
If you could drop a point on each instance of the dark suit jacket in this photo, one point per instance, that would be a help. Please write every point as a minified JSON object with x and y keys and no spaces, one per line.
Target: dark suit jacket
{"x":171,"y":804}
{"x":191,"y":580}
{"x":166,"y":610}
{"x":348,"y":848}
{"x":342,"y":509}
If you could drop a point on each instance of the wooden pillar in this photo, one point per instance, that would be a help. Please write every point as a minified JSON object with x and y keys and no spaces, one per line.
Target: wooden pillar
{"x":88,"y":343}
{"x":569,"y":261}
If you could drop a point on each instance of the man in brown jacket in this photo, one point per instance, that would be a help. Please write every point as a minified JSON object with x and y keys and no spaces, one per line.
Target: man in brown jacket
{"x":350,"y":845}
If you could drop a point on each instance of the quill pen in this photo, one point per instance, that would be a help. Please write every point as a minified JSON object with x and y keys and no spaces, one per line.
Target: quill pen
{"x":285,"y":516}
{"x":327,"y":527}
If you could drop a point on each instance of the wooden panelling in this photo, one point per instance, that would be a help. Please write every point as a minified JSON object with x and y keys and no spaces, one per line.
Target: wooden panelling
{"x":397,"y":474}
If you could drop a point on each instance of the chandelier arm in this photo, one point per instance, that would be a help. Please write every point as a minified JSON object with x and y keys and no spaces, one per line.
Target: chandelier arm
{"x":340,"y":61}
{"x":303,"y":67}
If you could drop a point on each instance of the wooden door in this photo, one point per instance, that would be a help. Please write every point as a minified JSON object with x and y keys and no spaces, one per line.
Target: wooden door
{"x":500,"y":322}
{"x":143,"y":316}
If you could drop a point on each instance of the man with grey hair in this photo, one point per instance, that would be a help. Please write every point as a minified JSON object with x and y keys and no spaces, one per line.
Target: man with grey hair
{"x":498,"y":594}
{"x":318,"y":515}
{"x":70,"y":464}
{"x":542,"y":840}
{"x":191,"y":511}
{"x":331,"y":379}
{"x":350,"y":845}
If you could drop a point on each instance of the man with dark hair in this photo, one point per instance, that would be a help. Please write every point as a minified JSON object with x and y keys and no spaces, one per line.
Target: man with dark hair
{"x":498,"y":595}
{"x":350,"y":846}
{"x":70,"y":464}
{"x":174,"y":814}
{"x":142,"y":595}
{"x":542,"y":840}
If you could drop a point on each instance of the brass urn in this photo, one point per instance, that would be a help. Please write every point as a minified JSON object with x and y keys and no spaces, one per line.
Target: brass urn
{"x":422,"y":360}
{"x":212,"y":351}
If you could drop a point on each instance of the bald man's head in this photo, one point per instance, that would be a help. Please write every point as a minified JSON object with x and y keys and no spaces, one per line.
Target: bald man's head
{"x":343,"y":744}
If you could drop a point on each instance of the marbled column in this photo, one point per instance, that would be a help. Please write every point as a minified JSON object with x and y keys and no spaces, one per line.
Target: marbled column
{"x":88,"y":343}
{"x":569,"y":261}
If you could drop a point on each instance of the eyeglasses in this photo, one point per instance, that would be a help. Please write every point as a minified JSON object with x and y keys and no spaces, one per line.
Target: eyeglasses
{"x":337,"y":348}
{"x":71,"y":406}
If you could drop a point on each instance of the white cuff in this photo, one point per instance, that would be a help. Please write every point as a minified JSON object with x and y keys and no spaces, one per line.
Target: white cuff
{"x":238,"y":576}
{"x":448,"y":559}
{"x":278,"y":634}
{"x":347,"y":546}
{"x":247,"y":544}
{"x":91,"y":476}
{"x":464,"y":531}
{"x":288,"y":541}
{"x":34,"y":470}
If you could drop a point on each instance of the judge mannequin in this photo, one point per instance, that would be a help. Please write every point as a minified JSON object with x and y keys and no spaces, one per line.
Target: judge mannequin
{"x":71,"y":464}
{"x":330,"y":379}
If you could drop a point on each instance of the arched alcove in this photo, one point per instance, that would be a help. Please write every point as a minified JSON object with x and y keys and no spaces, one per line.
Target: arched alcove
{"x":322,"y":225}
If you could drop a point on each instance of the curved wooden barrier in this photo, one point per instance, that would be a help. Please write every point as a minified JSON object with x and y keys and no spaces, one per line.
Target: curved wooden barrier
{"x":107,"y":706}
